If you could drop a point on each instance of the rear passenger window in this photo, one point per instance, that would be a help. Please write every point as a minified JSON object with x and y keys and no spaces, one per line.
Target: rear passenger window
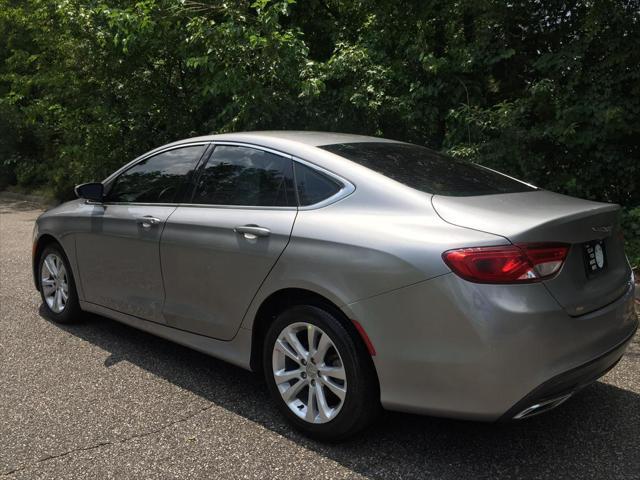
{"x":313,"y":186}
{"x":246,"y":176}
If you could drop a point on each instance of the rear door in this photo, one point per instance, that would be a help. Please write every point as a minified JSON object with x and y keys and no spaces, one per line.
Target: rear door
{"x":217,"y":250}
{"x":118,"y":244}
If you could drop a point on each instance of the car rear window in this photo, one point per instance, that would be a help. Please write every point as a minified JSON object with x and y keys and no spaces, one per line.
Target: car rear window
{"x":427,"y":170}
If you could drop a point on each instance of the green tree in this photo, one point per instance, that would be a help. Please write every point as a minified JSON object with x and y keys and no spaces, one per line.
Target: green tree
{"x":546,"y":91}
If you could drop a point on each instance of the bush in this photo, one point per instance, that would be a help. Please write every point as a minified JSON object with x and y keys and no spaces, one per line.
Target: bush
{"x":631,"y":228}
{"x":546,"y":91}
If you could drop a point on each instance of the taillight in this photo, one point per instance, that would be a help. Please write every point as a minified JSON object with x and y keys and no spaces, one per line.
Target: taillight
{"x":523,"y":263}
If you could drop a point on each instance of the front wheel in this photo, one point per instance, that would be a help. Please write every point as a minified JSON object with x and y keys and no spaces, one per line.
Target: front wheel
{"x":319,"y":374}
{"x":57,"y":286}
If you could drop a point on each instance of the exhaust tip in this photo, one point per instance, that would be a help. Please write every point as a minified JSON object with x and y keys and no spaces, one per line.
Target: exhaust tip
{"x":541,"y":407}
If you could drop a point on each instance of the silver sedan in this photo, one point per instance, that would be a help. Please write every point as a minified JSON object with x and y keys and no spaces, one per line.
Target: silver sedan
{"x":355,"y":272}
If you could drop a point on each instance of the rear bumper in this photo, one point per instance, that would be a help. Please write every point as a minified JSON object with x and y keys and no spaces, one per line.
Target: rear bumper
{"x":559,"y":388}
{"x":452,"y":348}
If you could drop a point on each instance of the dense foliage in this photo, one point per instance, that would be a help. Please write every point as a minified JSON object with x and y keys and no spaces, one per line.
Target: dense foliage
{"x":548,"y":91}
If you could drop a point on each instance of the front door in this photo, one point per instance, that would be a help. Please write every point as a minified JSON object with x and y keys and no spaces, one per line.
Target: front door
{"x":118,"y":243}
{"x":217,"y":251}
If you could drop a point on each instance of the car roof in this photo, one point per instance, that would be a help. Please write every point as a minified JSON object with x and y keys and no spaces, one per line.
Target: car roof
{"x":309,"y":138}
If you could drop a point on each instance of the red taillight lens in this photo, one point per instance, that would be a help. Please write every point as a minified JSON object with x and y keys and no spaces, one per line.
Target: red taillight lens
{"x":507,"y":264}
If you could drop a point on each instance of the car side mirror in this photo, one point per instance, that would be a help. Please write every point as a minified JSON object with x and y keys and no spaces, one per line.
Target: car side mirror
{"x":90,"y":191}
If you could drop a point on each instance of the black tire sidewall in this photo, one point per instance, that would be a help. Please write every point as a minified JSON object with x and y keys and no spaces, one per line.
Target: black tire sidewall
{"x":358,"y":405}
{"x":72,"y":308}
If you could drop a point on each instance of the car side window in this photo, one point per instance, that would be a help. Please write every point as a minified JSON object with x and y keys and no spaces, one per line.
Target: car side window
{"x":158,"y":179}
{"x":237,"y":175}
{"x":313,"y":186}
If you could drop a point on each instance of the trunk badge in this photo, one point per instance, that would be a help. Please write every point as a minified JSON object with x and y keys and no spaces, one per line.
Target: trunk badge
{"x":602,"y":229}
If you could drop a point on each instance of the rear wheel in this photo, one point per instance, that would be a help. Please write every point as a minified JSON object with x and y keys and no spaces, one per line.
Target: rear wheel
{"x":57,"y":286}
{"x":319,"y":375}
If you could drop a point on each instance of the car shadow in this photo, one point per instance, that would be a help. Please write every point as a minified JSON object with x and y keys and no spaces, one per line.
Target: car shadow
{"x":595,"y":435}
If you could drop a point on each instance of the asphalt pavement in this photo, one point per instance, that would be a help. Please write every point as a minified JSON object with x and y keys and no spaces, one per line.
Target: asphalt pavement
{"x":103,"y":400}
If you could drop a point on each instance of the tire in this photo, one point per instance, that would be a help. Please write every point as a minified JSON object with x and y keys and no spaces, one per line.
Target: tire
{"x":330,"y":418}
{"x":56,"y":307}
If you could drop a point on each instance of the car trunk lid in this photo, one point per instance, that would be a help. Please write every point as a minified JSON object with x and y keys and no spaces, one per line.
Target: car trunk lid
{"x":592,"y":229}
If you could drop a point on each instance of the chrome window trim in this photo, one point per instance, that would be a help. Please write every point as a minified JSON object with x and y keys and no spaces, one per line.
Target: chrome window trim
{"x":147,"y":155}
{"x":236,"y":207}
{"x":197,"y":205}
{"x":347,"y":187}
{"x":138,"y":204}
{"x":254,"y":146}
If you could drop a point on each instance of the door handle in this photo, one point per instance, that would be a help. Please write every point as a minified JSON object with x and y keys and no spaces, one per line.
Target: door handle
{"x":147,"y":221}
{"x":251,"y":232}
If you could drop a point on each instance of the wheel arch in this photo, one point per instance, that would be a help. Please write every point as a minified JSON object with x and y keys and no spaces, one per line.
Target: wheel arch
{"x":284,"y":298}
{"x":39,"y":245}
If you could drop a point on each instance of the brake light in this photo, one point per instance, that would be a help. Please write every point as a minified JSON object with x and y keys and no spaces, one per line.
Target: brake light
{"x":523,"y":263}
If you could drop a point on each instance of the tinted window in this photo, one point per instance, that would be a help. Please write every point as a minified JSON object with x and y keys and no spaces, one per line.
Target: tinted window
{"x":313,"y":186}
{"x":426,"y":170}
{"x":157,"y":179}
{"x":246,"y":176}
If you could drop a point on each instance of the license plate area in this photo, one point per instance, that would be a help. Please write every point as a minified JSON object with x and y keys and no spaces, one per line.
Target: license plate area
{"x":595,"y":257}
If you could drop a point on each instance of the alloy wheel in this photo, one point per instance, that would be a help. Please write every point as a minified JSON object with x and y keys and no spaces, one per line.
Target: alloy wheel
{"x":309,"y":372}
{"x":54,"y":283}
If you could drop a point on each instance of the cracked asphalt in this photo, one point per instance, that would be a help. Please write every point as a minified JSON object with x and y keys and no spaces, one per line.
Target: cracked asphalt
{"x":102,"y":400}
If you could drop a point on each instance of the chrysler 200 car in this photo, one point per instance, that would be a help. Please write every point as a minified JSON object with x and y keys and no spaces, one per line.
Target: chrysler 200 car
{"x":354,"y":272}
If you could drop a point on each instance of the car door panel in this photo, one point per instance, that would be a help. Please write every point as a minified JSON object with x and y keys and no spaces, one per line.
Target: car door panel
{"x":118,"y":254}
{"x":211,"y":272}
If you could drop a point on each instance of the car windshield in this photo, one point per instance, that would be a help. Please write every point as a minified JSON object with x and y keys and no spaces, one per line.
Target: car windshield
{"x":426,"y":170}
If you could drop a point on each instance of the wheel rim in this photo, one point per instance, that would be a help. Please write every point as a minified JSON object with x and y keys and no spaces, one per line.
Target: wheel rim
{"x":54,"y":283}
{"x":309,"y":372}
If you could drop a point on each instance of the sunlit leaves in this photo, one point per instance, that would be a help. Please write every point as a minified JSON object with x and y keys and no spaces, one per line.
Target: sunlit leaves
{"x":549,"y":91}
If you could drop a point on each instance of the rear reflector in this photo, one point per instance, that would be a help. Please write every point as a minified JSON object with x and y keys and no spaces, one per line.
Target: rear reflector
{"x":365,"y":338}
{"x":523,"y":263}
